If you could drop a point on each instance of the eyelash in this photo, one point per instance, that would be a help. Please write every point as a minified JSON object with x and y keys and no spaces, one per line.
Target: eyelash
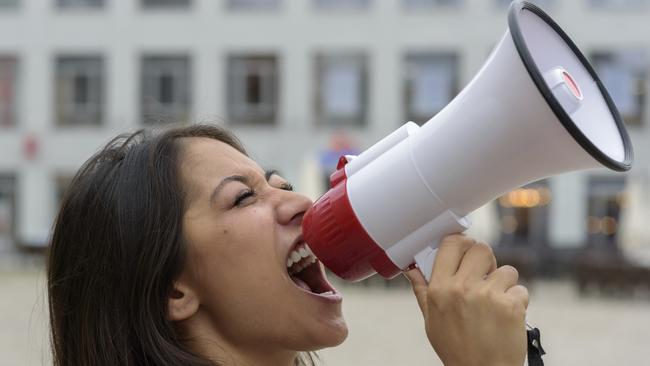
{"x":287,"y":187}
{"x":243,"y":196}
{"x":251,"y":193}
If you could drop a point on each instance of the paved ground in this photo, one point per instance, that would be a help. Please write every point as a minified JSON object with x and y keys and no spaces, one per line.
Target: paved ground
{"x":385,"y":326}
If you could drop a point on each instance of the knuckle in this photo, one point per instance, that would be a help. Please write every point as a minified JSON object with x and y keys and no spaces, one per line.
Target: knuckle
{"x":510,"y":271}
{"x":483,"y":248}
{"x":524,"y":296}
{"x":446,"y":244}
{"x":455,"y":240}
{"x":450,"y":241}
{"x":433,"y":289}
{"x":519,"y":302}
{"x":518,"y":309}
{"x":458,"y":289}
{"x":484,"y":294}
{"x":482,"y":252}
{"x":468,"y":241}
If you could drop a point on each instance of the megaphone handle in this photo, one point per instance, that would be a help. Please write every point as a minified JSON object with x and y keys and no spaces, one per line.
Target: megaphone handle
{"x":425,"y":260}
{"x":445,"y":224}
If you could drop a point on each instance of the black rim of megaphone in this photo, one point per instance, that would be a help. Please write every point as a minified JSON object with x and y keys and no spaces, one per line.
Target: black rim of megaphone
{"x":565,"y":119}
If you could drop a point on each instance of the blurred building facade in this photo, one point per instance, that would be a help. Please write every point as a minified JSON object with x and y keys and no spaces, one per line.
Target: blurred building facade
{"x":286,"y":76}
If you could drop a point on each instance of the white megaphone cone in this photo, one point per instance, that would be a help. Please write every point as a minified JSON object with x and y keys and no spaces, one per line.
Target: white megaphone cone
{"x":535,"y":109}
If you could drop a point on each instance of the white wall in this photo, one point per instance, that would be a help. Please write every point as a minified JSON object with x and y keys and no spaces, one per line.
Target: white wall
{"x":122,"y":32}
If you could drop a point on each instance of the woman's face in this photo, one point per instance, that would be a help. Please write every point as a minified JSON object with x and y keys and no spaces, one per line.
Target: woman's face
{"x":241,"y":226}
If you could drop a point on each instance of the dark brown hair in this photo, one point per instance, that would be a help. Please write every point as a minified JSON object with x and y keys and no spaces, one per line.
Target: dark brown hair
{"x":117,"y":247}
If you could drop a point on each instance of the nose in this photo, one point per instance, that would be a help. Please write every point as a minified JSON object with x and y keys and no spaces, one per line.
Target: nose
{"x":292,"y":207}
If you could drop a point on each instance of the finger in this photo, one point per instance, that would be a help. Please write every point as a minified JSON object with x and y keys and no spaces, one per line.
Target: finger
{"x":520,"y":294}
{"x":503,"y":278}
{"x":450,"y":253}
{"x":419,"y":284}
{"x":477,"y":262}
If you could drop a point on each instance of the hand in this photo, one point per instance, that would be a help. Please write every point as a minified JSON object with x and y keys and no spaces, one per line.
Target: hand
{"x":474,"y":313}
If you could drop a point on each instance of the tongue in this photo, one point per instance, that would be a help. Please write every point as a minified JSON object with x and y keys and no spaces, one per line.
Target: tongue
{"x":302,"y":284}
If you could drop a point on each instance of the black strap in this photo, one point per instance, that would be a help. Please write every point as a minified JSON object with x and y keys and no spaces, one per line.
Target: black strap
{"x":535,"y":350}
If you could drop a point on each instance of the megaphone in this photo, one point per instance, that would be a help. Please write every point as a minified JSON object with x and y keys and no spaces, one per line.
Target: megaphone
{"x":535,"y":109}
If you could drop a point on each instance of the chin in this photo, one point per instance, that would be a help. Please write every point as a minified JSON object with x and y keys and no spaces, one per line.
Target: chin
{"x":330,"y":335}
{"x":339,"y":338}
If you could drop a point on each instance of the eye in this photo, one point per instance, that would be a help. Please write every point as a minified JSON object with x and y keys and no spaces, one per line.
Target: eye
{"x":242,"y":196}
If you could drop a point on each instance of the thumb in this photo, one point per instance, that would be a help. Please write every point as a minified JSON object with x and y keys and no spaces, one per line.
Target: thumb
{"x":420,"y":286}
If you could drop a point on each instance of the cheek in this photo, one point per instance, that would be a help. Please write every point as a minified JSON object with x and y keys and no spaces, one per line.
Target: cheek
{"x":248,"y":238}
{"x":227,"y":238}
{"x":231,"y":256}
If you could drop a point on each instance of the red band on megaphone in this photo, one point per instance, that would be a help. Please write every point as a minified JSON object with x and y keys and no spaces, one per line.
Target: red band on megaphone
{"x":337,"y":238}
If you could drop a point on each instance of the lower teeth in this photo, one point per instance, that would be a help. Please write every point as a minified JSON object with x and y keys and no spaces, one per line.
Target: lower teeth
{"x":328,"y":293}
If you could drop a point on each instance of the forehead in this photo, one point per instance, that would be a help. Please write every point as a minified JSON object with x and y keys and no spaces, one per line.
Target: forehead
{"x":207,"y":160}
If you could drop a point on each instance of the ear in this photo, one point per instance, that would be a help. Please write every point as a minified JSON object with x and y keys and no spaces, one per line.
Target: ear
{"x":182,"y":302}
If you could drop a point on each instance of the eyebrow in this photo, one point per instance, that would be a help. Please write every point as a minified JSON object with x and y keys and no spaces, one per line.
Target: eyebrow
{"x":238,"y":178}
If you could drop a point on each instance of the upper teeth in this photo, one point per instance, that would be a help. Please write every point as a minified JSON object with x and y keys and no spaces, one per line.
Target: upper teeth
{"x":298,"y":254}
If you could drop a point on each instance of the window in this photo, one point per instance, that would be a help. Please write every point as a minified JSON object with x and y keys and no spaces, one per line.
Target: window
{"x":9,"y":4}
{"x":524,"y":215}
{"x":253,"y":4}
{"x":604,"y":201}
{"x":79,"y":90}
{"x":625,"y":76}
{"x":620,"y":4}
{"x":7,"y":213}
{"x":342,"y":4}
{"x":252,"y":89}
{"x":61,"y":183}
{"x":424,"y":4}
{"x":69,"y":4}
{"x":544,"y":4}
{"x":8,"y":76}
{"x":166,"y":87}
{"x":341,"y":89}
{"x":166,"y":3}
{"x":431,"y":83}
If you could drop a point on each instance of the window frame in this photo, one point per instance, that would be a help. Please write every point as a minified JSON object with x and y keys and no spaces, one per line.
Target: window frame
{"x":596,"y":185}
{"x":11,"y":7}
{"x":60,"y":5}
{"x":14,"y":103}
{"x":9,"y":178}
{"x":408,"y":61}
{"x":321,"y":60}
{"x":608,"y":5}
{"x":246,"y":116}
{"x":67,"y":114}
{"x":231,"y":5}
{"x":162,"y":7}
{"x":179,"y":111}
{"x":421,"y":5}
{"x":641,"y":76}
{"x":537,"y":219}
{"x":340,"y":6}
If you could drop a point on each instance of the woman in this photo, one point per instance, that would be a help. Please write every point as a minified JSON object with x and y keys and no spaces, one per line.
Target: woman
{"x":177,"y":249}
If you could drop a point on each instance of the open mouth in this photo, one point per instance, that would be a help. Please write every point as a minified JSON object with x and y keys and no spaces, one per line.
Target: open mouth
{"x":307,"y":273}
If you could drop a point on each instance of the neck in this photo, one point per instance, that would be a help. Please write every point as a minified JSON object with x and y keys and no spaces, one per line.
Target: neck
{"x":203,"y":339}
